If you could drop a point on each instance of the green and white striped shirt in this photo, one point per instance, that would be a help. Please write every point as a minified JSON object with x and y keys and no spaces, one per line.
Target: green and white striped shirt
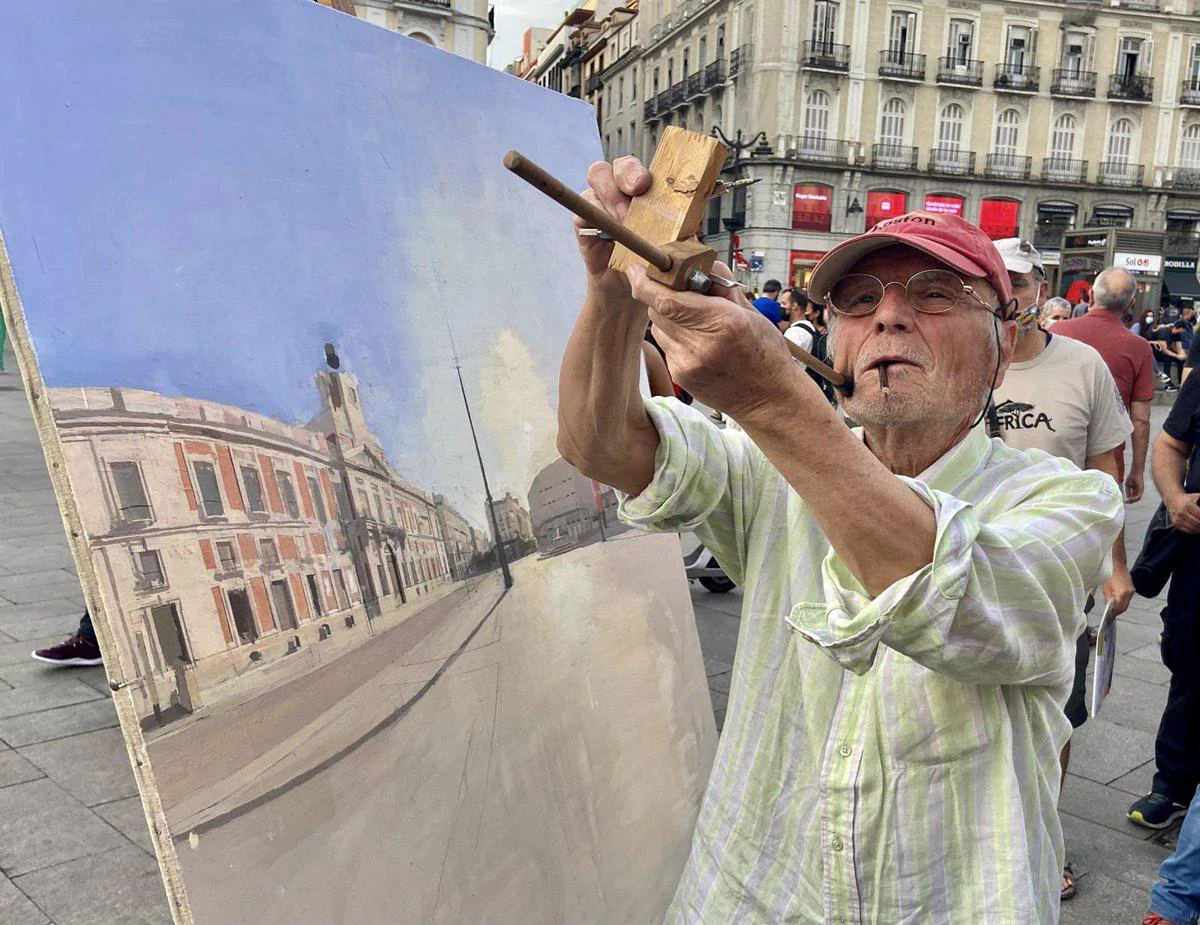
{"x":888,"y":760}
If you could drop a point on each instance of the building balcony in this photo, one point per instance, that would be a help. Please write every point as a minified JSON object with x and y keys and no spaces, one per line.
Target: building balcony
{"x":695,"y":85}
{"x":650,"y":111}
{"x":714,"y":75}
{"x":951,"y":161}
{"x":1008,"y":166}
{"x":1121,"y":173}
{"x":901,"y":65}
{"x":1133,"y":88}
{"x":1144,"y":6}
{"x":1186,"y":178}
{"x":893,"y":157}
{"x":593,"y":84}
{"x":1017,"y":78}
{"x":1189,"y":92}
{"x":1064,"y":170}
{"x":1070,"y":82}
{"x":963,"y":72}
{"x":739,"y":60}
{"x":816,"y":149}
{"x":825,"y":56}
{"x":678,"y":94}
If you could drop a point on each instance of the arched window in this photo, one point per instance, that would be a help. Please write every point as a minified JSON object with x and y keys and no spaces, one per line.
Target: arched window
{"x":891,"y":127}
{"x":1007,"y":128}
{"x":1062,"y":138}
{"x":816,"y":115}
{"x":950,"y":128}
{"x":421,"y":37}
{"x":1120,"y":142}
{"x":1189,"y":147}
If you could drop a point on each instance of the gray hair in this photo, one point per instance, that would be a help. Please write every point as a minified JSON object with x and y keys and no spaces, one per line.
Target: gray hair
{"x":1051,"y":304}
{"x":1114,"y":290}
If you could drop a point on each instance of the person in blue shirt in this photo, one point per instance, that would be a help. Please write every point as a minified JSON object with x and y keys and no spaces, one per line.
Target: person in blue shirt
{"x":768,"y":303}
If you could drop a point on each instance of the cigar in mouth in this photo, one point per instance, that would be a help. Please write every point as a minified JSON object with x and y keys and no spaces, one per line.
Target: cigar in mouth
{"x":883,"y":378}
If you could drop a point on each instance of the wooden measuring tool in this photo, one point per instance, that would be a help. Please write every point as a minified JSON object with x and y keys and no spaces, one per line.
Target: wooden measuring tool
{"x":661,"y":225}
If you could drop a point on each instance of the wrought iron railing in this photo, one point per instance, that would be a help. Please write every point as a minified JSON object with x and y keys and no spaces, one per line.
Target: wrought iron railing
{"x":1009,"y":166}
{"x":953,"y":161}
{"x":894,"y":157}
{"x":1070,"y":82}
{"x":1064,"y":169}
{"x":965,"y":72}
{"x":900,"y":64}
{"x":1017,"y":78}
{"x":818,"y":149}
{"x":1121,"y":173}
{"x":828,"y":56}
{"x":1131,"y":87}
{"x":714,"y":74}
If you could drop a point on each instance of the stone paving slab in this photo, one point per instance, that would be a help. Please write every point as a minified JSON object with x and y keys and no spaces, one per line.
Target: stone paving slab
{"x":16,"y":908}
{"x":129,"y":818}
{"x":32,"y":728}
{"x":41,"y":825}
{"x":91,"y":766}
{"x":124,"y":888}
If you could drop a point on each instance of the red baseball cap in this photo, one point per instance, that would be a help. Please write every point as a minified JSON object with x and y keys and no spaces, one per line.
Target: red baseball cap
{"x":954,"y":241}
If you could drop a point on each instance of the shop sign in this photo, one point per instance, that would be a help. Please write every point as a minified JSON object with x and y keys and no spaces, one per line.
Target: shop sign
{"x":1138,"y":263}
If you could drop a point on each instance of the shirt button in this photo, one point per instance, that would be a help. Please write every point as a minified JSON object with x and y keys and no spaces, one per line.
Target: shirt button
{"x":836,"y":844}
{"x":845,"y":751}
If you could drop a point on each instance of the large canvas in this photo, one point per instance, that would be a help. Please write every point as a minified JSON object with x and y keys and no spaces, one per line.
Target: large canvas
{"x":291,"y":337}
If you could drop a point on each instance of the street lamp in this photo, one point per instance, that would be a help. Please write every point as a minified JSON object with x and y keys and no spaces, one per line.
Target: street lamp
{"x":737,"y":221}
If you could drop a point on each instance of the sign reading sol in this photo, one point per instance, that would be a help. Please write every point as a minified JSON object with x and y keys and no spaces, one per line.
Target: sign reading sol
{"x":1138,"y":263}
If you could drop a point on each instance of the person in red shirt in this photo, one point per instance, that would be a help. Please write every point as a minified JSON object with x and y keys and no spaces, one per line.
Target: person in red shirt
{"x":1129,"y":358}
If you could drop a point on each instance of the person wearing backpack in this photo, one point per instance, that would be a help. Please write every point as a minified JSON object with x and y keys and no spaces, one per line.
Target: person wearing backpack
{"x":808,"y":332}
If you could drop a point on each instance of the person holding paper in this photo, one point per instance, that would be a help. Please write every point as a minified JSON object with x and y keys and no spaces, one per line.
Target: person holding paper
{"x":912,"y":593}
{"x":1059,"y":397}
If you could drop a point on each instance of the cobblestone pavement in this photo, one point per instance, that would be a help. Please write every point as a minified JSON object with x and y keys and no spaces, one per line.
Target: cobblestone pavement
{"x":74,"y":849}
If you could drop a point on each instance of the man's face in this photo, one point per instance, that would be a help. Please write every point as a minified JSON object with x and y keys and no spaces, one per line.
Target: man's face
{"x":1189,"y":315}
{"x":1057,"y":313}
{"x":785,"y":300}
{"x":941,"y":365}
{"x":1028,"y":289}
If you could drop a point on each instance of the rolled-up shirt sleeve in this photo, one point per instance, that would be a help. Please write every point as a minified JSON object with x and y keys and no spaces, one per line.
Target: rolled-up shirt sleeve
{"x":704,"y":482}
{"x":1002,"y":600}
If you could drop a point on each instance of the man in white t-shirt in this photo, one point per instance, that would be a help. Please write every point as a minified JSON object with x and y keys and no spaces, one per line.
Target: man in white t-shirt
{"x":1058,"y":396}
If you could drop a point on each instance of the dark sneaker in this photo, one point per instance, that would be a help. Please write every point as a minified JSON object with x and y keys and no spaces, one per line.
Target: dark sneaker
{"x":76,"y":652}
{"x":1156,"y":811}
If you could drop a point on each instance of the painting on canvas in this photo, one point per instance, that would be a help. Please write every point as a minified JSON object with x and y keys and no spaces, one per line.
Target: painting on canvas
{"x":292,"y":334}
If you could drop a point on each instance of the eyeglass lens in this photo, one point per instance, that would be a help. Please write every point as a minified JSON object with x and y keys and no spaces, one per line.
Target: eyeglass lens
{"x":930,"y":291}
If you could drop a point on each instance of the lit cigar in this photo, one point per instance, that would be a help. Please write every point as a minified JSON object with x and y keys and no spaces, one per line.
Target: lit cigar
{"x":883,"y":378}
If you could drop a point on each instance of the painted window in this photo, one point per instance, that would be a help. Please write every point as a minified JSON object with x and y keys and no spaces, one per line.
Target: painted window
{"x":891,"y":127}
{"x":226,"y":555}
{"x":816,"y":115}
{"x":1008,"y":127}
{"x":210,"y":491}
{"x":1189,"y":147}
{"x":132,"y":503}
{"x":289,"y":494}
{"x":1120,"y":142}
{"x":950,"y":128}
{"x":254,"y":492}
{"x":149,"y":566}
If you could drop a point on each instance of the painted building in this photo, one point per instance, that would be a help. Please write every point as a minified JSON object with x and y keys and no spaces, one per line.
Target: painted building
{"x":225,"y":539}
{"x":512,"y":519}
{"x":459,"y":537}
{"x":566,"y":508}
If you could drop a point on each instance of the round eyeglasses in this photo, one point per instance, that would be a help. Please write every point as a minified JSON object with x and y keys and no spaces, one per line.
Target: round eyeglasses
{"x":930,"y":292}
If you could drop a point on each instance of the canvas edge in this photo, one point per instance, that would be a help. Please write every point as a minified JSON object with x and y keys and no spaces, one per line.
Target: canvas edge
{"x":135,"y":745}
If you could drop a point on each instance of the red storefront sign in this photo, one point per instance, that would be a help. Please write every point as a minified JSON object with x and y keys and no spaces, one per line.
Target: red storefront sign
{"x":882,"y":204}
{"x":812,"y":207}
{"x":801,"y":264}
{"x":999,"y":218}
{"x":944,"y":205}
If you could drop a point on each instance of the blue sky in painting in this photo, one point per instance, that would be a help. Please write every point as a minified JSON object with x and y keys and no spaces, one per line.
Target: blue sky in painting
{"x":197,"y":196}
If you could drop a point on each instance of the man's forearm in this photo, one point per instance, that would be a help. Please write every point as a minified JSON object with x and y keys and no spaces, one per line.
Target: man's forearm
{"x":1168,"y":471}
{"x":603,"y":428}
{"x":1141,"y":443}
{"x":846,"y":487}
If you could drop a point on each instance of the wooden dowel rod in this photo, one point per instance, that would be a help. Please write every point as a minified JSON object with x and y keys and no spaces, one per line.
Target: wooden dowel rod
{"x":828,"y":373}
{"x":536,"y":177}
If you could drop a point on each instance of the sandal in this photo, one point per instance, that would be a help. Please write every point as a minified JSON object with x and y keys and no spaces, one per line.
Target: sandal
{"x":1068,"y":882}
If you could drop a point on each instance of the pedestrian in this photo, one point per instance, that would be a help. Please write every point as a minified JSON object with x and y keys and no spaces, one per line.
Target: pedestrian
{"x":1176,"y":472}
{"x":1169,"y":343}
{"x":79,"y":650}
{"x":1175,"y":898}
{"x":809,"y":334}
{"x":1059,"y":397}
{"x":912,"y":595}
{"x":1129,"y":359}
{"x":768,"y":303}
{"x":1054,"y":310}
{"x":1085,"y":302}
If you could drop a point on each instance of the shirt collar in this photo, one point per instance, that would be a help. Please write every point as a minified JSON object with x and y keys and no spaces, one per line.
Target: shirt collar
{"x":950,"y":471}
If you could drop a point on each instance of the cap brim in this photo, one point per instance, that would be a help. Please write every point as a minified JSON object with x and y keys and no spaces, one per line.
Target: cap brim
{"x":835,"y":263}
{"x":1017,"y":265}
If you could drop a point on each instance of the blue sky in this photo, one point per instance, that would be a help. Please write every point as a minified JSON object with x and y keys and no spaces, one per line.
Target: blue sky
{"x":197,"y":196}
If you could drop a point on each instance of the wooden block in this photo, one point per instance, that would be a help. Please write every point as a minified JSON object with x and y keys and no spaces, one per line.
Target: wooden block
{"x":685,"y":170}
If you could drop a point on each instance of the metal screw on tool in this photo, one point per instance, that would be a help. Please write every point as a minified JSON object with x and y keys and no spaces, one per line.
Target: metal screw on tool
{"x":699,"y":281}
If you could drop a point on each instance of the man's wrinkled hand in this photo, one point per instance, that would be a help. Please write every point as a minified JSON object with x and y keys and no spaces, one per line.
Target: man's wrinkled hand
{"x":1134,"y":487}
{"x":611,"y":187}
{"x":718,"y":347}
{"x":1185,"y":512}
{"x":1118,"y":590}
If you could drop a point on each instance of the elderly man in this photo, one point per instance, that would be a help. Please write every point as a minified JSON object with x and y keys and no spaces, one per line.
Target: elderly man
{"x":912,"y":596}
{"x":1129,"y":359}
{"x":1053,"y":311}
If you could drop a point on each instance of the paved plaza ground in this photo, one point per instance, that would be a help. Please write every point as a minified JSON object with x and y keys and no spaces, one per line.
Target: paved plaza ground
{"x":73,"y":843}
